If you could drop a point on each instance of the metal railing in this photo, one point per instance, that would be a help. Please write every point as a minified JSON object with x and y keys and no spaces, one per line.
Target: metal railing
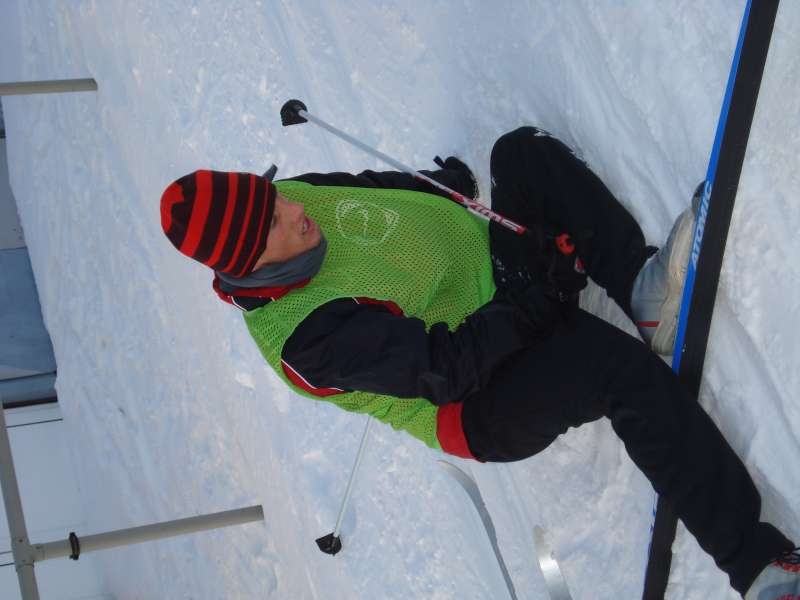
{"x":52,"y":86}
{"x":25,"y":553}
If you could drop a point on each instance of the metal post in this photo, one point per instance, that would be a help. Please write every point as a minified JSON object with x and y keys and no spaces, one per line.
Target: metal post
{"x":20,"y":546}
{"x":54,"y":86}
{"x":146,"y":533}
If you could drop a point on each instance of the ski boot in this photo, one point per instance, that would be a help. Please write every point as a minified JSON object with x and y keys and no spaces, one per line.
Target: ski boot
{"x":779,"y":580}
{"x":658,"y":289}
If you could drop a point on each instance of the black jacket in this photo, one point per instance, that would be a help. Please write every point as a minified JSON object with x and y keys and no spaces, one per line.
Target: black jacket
{"x":351,"y":345}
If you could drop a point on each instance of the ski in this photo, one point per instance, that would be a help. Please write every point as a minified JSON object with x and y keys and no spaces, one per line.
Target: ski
{"x":708,"y":246}
{"x":553,"y":577}
{"x":471,"y":488}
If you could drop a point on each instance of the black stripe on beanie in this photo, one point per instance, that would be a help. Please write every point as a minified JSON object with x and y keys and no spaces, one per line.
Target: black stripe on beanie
{"x":252,"y":249}
{"x":216,"y":214}
{"x":269,"y":198}
{"x":239,"y":211}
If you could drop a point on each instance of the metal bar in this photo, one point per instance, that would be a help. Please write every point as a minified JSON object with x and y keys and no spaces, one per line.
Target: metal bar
{"x":28,"y":403}
{"x":53,"y":86}
{"x":34,"y":423}
{"x":146,"y":533}
{"x":21,"y":391}
{"x":20,"y":545}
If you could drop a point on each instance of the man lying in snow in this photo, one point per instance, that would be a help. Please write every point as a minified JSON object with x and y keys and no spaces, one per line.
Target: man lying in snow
{"x":372,"y":292}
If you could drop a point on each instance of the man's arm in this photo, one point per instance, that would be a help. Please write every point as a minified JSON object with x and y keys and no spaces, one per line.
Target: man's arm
{"x":456,"y":175}
{"x":354,"y":346}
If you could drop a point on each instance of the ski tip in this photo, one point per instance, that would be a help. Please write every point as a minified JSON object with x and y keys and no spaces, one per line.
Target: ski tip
{"x":453,"y":469}
{"x":290,"y":113}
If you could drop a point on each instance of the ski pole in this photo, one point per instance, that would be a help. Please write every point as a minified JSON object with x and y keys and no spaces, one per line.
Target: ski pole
{"x":295,"y":112}
{"x":331,"y":544}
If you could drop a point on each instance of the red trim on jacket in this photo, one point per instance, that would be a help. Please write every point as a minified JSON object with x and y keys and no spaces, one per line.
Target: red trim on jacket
{"x":273,"y":293}
{"x":388,"y":304}
{"x":304,"y":384}
{"x":450,"y":431}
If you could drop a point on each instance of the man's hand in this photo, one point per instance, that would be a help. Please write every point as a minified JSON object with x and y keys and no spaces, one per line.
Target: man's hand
{"x":565,"y":270}
{"x":451,"y":162}
{"x":559,"y":263}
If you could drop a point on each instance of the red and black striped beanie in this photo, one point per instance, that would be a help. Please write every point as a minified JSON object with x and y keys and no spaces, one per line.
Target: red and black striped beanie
{"x":219,"y":219}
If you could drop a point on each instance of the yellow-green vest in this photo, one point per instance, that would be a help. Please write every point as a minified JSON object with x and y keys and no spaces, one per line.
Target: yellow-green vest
{"x":423,"y":252}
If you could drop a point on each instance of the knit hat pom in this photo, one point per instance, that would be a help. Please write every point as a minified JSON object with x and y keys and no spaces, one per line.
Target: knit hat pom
{"x":219,"y":219}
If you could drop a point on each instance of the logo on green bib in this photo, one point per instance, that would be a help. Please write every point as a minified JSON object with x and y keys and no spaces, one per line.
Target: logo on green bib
{"x":364,"y":223}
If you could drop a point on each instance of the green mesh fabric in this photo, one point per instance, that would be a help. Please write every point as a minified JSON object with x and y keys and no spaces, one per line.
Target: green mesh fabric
{"x":423,"y":252}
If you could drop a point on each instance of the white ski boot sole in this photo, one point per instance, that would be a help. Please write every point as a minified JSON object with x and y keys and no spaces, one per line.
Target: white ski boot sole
{"x":664,"y":337}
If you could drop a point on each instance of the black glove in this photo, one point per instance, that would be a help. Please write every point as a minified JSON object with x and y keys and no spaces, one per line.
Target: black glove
{"x":455,"y":164}
{"x":555,"y":262}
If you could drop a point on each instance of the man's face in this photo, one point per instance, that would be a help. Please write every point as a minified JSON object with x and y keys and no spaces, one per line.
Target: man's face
{"x":291,"y":233}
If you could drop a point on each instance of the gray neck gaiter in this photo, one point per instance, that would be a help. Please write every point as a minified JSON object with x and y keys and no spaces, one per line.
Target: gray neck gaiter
{"x":291,"y":271}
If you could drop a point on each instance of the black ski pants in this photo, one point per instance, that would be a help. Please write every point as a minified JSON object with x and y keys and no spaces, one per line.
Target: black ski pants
{"x":588,"y":369}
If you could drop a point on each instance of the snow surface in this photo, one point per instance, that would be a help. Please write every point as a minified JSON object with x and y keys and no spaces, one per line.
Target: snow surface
{"x":172,"y":410}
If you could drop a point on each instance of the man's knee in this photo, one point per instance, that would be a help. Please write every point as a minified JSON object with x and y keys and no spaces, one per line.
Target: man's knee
{"x":523,"y":143}
{"x":512,"y":140}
